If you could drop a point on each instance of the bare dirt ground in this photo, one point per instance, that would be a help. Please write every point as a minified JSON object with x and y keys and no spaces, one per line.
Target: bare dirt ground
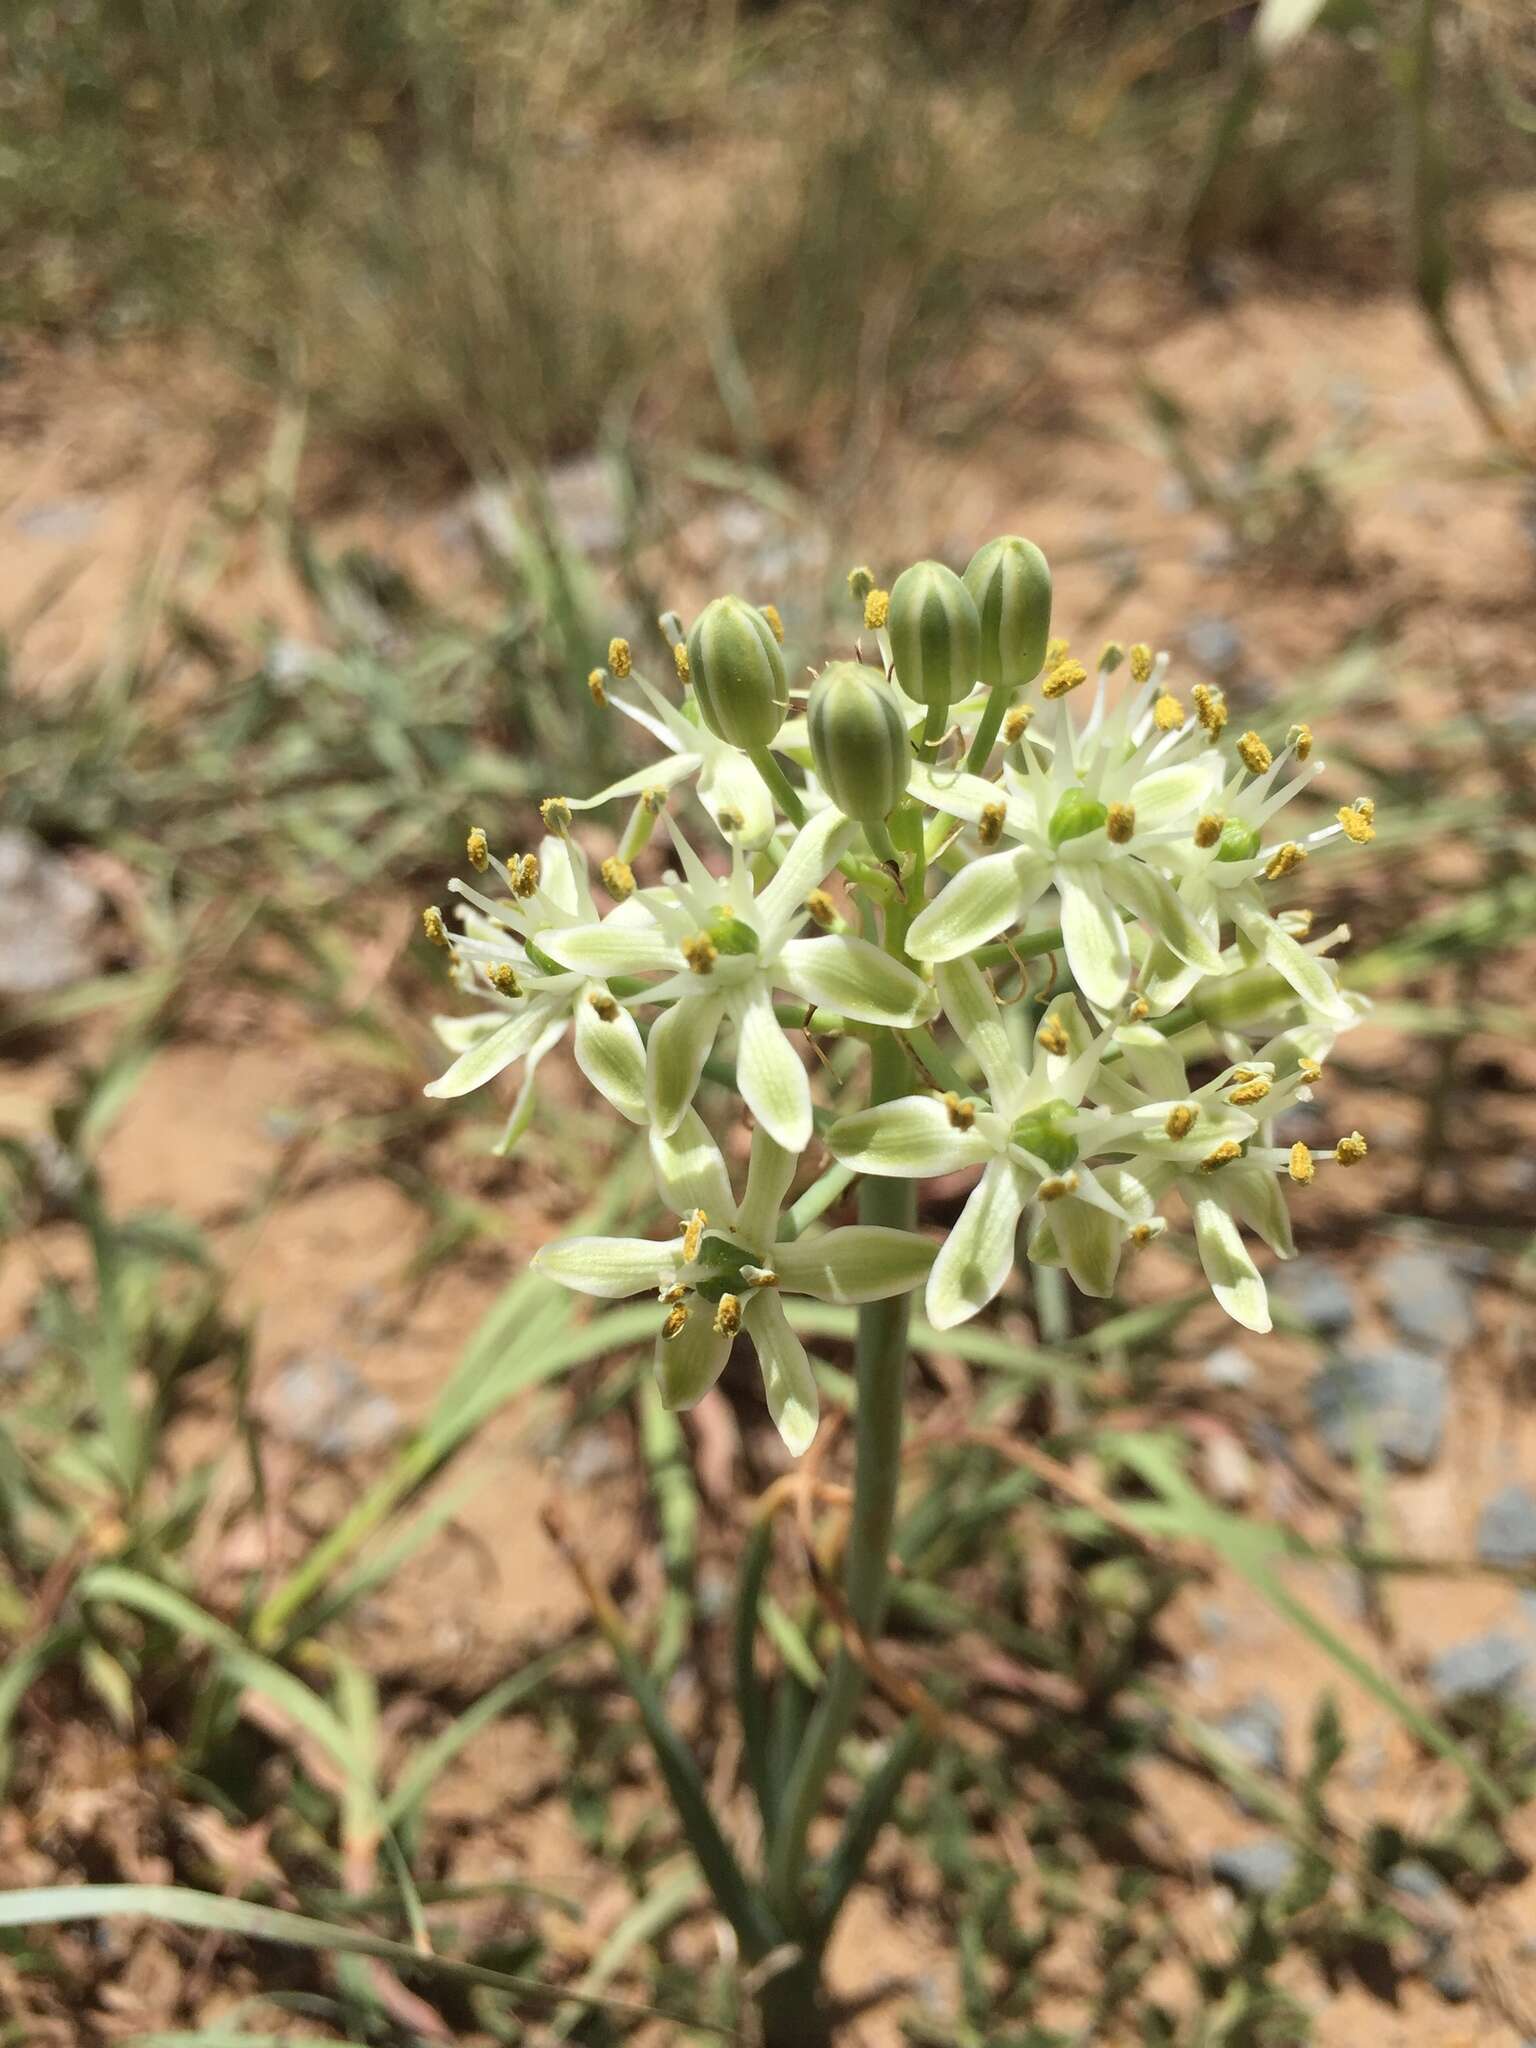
{"x":107,"y":466}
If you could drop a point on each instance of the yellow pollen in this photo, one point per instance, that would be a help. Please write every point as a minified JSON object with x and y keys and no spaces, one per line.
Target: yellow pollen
{"x":1053,"y":1190}
{"x":1366,"y":806}
{"x":861,"y":582}
{"x":1052,"y":1037}
{"x":727,"y":1316}
{"x":676,"y":1322}
{"x":604,"y":1005}
{"x":1351,"y":1150}
{"x":1120,"y":822}
{"x":775,"y":624}
{"x":1255,"y":756}
{"x":1300,"y":739}
{"x":618,"y":878}
{"x":432,"y":924}
{"x":1016,"y":724}
{"x":1210,"y":708}
{"x":701,"y":953}
{"x":823,"y":910}
{"x":1249,"y":1093}
{"x":1224,"y":1154}
{"x":1055,"y":652}
{"x":620,"y":660}
{"x":1310,"y":1070}
{"x":1245,"y":1073}
{"x":1141,"y":665}
{"x":1181,"y":1119}
{"x":503,"y":978}
{"x":1208,"y":829}
{"x":655,"y":800}
{"x":760,"y":1276}
{"x":597,"y":683}
{"x":525,"y":876}
{"x":478,"y":849}
{"x":961,"y":1113}
{"x":1357,"y":824}
{"x":1168,"y":714}
{"x":877,"y":609}
{"x":1287,"y":859}
{"x":1111,"y":654}
{"x":1302,"y":1168}
{"x":556,"y":813}
{"x":1065,"y":676}
{"x":693,"y":1235}
{"x":1142,"y":1233}
{"x":680,"y":662}
{"x":674,"y":1294}
{"x":1139,"y":1010}
{"x":989,"y":826}
{"x":729,"y":819}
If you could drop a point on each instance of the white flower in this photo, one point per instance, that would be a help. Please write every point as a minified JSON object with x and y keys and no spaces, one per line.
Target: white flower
{"x":728,"y":946}
{"x":725,"y":1271}
{"x":730,"y":788}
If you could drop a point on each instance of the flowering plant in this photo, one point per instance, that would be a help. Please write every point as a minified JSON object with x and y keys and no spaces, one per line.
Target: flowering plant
{"x":1027,"y":923}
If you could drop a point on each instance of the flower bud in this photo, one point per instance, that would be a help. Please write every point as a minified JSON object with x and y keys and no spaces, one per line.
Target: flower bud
{"x":1010,"y":582}
{"x":737,"y":672}
{"x":935,"y":634}
{"x":858,"y":741}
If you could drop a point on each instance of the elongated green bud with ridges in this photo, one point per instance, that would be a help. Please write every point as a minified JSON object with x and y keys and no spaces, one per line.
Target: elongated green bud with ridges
{"x":736,"y":669}
{"x":1010,"y":583}
{"x":858,"y":741}
{"x":935,"y":635}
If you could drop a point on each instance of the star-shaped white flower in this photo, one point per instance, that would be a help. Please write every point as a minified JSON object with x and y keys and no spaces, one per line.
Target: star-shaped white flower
{"x":730,"y":788}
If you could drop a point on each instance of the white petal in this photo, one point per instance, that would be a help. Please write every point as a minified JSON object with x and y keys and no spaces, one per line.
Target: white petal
{"x":861,"y":1262}
{"x":769,"y":1173}
{"x":690,"y":1171}
{"x":1234,"y":1278}
{"x":964,"y":796}
{"x":730,"y":783}
{"x":1092,"y":936}
{"x":787,"y":1378}
{"x":615,"y":946}
{"x":521,"y":1115}
{"x":1089,"y":1241}
{"x":1151,"y":897}
{"x":688,"y":1364}
{"x":659,"y":775}
{"x":772,"y":1081}
{"x":984,"y":899}
{"x":977,"y":1256}
{"x":460,"y":1033}
{"x":842,"y":973}
{"x":1169,"y":795}
{"x":909,"y":1138}
{"x":610,"y":1052}
{"x":1157,"y":1065}
{"x":812,"y":852}
{"x":1256,"y":1197}
{"x":1304,"y":971}
{"x":972,"y":1009}
{"x":680,"y":1043}
{"x":496,"y":1051}
{"x":609,"y":1267}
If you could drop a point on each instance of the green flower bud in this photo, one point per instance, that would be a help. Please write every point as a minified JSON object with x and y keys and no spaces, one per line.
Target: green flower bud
{"x":935,"y":634}
{"x":721,"y":1269}
{"x":1238,"y":841}
{"x":730,"y":934}
{"x":1010,"y":582}
{"x":1040,"y":1131}
{"x":1076,"y":814}
{"x":737,"y":671}
{"x":858,"y":741}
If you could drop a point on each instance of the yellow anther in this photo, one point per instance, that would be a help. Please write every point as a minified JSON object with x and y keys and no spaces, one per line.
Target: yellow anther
{"x":1120,"y":822}
{"x":961,"y":1113}
{"x":1016,"y":724}
{"x":1253,"y":753}
{"x":675,"y":1293}
{"x":655,"y":800}
{"x":701,"y":953}
{"x":1181,"y":1119}
{"x":556,"y":813}
{"x":597,"y":683}
{"x":1357,"y":824}
{"x":1245,"y":1074}
{"x":1111,"y":654}
{"x":525,"y":876}
{"x":1052,"y":1037}
{"x":775,"y":624}
{"x":1143,"y":1233}
{"x":823,"y":910}
{"x":1366,"y":806}
{"x":1286,"y":860}
{"x":1250,"y":1093}
{"x":989,"y":826}
{"x":727,"y":1316}
{"x":1299,"y":738}
{"x":877,"y":609}
{"x":693,"y":1235}
{"x":1210,"y":708}
{"x":1208,"y":829}
{"x":680,"y":662}
{"x":1310,"y":1070}
{"x":1139,"y":1010}
{"x":432,"y":924}
{"x":1053,"y":1190}
{"x":478,"y":848}
{"x":604,"y":1005}
{"x":1064,"y":677}
{"x":1168,"y":714}
{"x":503,"y":978}
{"x":1055,"y":652}
{"x":1302,"y":1167}
{"x":620,"y":660}
{"x":618,"y":878}
{"x":1224,"y":1154}
{"x":729,"y":819}
{"x":1141,"y":664}
{"x":1351,"y":1150}
{"x":676,"y":1323}
{"x":861,"y":582}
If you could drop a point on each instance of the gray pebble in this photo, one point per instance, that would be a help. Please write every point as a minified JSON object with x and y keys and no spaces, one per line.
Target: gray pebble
{"x":323,"y":1403}
{"x":48,"y":918}
{"x":1392,"y":1397}
{"x":1256,"y":1730}
{"x":1318,"y":1293}
{"x":66,"y":519}
{"x":1228,"y":1366}
{"x":1478,"y":1669}
{"x":1426,"y":1297}
{"x":1216,"y":644}
{"x":1506,"y":1531}
{"x":1256,"y":1870}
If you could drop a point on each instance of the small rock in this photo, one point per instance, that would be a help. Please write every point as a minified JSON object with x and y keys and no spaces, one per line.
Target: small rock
{"x":1256,"y":1730}
{"x":585,"y":502}
{"x":1392,"y":1397}
{"x":321,"y":1402}
{"x":594,"y":1455}
{"x":1479,"y":1669}
{"x":48,"y":916}
{"x":1418,"y":1881}
{"x":1256,"y":1870}
{"x":1506,"y":1532}
{"x":1226,"y":1469}
{"x":1451,"y":1973}
{"x":1216,"y":644}
{"x":291,"y":662}
{"x":19,"y":1354}
{"x":1228,"y":1366}
{"x":1318,"y":1293}
{"x":1426,"y":1297}
{"x":66,"y":519}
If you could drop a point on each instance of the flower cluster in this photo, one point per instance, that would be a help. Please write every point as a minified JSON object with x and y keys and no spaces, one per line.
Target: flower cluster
{"x":1065,"y":919}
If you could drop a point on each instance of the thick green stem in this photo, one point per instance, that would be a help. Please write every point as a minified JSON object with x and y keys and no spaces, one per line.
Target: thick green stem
{"x":986,"y":733}
{"x":779,"y":786}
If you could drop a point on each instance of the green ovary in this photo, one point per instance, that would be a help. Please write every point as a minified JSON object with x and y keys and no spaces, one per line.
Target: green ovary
{"x":1077,"y":813}
{"x":1238,"y":841}
{"x":1041,"y":1133}
{"x":729,"y":935}
{"x":719,"y":1268}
